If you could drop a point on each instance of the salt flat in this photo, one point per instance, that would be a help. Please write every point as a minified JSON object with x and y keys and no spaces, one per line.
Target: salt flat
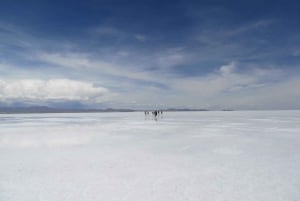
{"x":183,"y":156}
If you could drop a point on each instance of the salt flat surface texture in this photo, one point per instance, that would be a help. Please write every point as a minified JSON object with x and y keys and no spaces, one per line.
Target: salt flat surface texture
{"x":183,"y":156}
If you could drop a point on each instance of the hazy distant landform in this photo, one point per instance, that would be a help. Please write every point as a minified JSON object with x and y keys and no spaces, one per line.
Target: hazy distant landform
{"x":42,"y":109}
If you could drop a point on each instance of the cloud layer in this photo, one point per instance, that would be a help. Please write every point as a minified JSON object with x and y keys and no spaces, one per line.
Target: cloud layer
{"x":188,"y":54}
{"x":51,"y":90}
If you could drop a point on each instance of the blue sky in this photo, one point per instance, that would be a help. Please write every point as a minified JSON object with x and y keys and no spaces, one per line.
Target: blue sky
{"x":150,"y":54}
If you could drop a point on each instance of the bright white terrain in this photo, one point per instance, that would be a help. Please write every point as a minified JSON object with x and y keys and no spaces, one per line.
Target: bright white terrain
{"x":185,"y":156}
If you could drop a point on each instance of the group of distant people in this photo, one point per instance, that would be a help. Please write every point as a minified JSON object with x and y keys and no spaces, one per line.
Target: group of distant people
{"x":155,"y":113}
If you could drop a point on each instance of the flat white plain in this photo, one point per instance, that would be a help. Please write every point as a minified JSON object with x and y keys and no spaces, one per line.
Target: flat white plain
{"x":183,"y":156}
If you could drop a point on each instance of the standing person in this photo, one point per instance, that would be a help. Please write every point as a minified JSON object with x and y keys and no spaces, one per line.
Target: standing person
{"x":155,"y":115}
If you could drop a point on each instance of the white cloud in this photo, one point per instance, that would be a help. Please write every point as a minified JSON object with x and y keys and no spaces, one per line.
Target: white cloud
{"x":231,"y":85}
{"x":215,"y":83}
{"x":66,"y":60}
{"x":228,"y":69}
{"x":140,"y":37}
{"x":248,"y":88}
{"x":55,"y":89}
{"x":83,"y":62}
{"x":252,"y":26}
{"x":171,"y":57}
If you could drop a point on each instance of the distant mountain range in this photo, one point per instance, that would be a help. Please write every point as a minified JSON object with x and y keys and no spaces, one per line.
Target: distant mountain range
{"x":45,"y":109}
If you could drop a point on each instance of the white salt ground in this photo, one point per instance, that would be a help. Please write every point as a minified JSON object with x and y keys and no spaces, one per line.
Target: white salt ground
{"x":185,"y":156}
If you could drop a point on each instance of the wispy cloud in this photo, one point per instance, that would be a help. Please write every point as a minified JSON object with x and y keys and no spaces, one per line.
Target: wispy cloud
{"x":140,"y":37}
{"x":205,"y":64}
{"x":83,"y":61}
{"x":171,"y":57}
{"x":232,"y":86}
